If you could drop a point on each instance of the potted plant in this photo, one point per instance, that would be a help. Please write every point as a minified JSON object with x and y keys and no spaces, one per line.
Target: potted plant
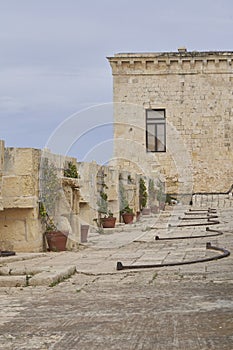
{"x":50,"y":186}
{"x":55,"y":238}
{"x":108,"y":221}
{"x":125,"y":211}
{"x":127,"y":215}
{"x":143,"y":197}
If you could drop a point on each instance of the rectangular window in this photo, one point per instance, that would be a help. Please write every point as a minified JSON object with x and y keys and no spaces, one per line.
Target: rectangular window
{"x":155,"y":130}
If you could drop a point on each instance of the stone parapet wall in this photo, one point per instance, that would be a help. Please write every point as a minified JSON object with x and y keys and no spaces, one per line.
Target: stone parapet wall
{"x":21,"y":176}
{"x":88,"y":192}
{"x":213,"y":200}
{"x":25,"y":185}
{"x":172,"y":63}
{"x":20,"y":185}
{"x":92,"y":178}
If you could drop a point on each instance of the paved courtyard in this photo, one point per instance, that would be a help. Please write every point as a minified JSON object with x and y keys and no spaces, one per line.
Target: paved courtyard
{"x":177,"y":307}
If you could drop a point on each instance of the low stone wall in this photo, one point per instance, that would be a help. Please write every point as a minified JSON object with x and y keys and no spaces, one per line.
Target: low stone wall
{"x":20,"y":230}
{"x":213,"y":200}
{"x":23,"y":186}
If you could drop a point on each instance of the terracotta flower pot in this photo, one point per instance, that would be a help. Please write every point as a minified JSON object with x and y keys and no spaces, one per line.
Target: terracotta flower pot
{"x":56,"y":240}
{"x":128,"y":218}
{"x":108,"y":222}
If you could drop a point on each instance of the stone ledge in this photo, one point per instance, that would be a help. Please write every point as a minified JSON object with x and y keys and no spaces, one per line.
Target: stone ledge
{"x":53,"y":276}
{"x":13,"y":281}
{"x":172,"y":63}
{"x":20,"y":202}
{"x":44,"y":278}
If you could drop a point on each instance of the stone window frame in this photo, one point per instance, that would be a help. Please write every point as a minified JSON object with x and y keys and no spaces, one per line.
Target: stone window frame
{"x":156,"y":121}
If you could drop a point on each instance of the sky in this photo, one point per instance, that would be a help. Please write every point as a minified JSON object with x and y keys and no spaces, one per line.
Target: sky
{"x":54,"y":75}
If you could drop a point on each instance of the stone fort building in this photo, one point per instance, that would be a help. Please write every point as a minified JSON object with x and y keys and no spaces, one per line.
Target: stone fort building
{"x":173,"y":114}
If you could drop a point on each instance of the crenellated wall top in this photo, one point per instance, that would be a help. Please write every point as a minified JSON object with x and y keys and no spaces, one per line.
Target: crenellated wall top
{"x":181,"y":62}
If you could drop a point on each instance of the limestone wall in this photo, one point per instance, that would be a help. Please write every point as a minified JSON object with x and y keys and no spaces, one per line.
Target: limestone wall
{"x":20,"y":180}
{"x":109,"y":179}
{"x":22,"y":184}
{"x":195,"y":89}
{"x":92,"y":178}
{"x":66,"y":210}
{"x":25,"y":183}
{"x":88,"y":192}
{"x":20,"y":228}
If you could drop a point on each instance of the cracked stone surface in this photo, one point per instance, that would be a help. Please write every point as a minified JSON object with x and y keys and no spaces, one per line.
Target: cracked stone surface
{"x":180,"y":307}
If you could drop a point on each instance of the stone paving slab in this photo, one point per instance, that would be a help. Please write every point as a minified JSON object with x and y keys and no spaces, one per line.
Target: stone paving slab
{"x":13,"y":281}
{"x":54,"y":276}
{"x":39,"y":269}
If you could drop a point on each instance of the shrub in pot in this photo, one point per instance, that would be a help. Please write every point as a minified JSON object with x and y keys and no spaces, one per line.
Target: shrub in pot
{"x":56,"y":239}
{"x":127,"y":215}
{"x":108,"y":221}
{"x":50,"y":186}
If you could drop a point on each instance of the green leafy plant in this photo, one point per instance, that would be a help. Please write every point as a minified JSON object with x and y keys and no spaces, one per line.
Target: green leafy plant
{"x":161,"y":197}
{"x":124,"y":204}
{"x":47,"y":221}
{"x":130,"y":180}
{"x":50,"y":225}
{"x":103,"y":203}
{"x":142,"y":193}
{"x":110,"y":214}
{"x":71,"y":171}
{"x":49,"y":194}
{"x":126,"y":210}
{"x":42,"y":210}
